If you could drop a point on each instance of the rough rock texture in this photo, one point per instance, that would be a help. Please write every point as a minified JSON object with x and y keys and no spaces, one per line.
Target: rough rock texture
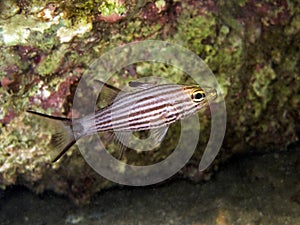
{"x":252,"y":47}
{"x":250,"y":189}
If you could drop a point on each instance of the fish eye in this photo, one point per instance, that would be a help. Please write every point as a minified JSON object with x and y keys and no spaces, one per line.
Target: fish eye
{"x":198,"y":96}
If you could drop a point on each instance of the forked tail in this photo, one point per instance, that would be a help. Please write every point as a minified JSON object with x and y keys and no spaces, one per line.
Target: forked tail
{"x":62,"y":138}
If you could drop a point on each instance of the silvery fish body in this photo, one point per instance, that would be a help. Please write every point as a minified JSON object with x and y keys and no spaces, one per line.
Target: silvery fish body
{"x":147,"y":107}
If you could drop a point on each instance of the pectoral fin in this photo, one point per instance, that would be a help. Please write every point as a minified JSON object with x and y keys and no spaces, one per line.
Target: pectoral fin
{"x":128,"y":139}
{"x":159,"y":133}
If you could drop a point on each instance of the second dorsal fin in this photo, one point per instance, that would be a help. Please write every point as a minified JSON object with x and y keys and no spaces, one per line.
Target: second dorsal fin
{"x":141,"y":85}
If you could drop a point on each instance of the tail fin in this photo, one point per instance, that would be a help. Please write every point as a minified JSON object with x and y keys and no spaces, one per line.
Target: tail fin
{"x":62,"y":138}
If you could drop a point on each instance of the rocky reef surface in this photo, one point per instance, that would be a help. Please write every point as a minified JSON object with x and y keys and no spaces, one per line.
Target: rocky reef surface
{"x":252,"y":48}
{"x":252,"y":189}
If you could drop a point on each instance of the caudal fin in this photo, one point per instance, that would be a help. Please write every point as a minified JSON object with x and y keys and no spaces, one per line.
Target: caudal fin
{"x":62,"y":138}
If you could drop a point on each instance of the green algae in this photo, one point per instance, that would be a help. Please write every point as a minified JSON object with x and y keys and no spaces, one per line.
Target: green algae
{"x":52,"y":62}
{"x":110,"y":7}
{"x":261,"y":84}
{"x":8,"y":9}
{"x":222,"y":52}
{"x":20,"y":31}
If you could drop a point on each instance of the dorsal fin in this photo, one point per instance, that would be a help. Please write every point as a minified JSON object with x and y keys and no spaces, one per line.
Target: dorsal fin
{"x":141,"y":85}
{"x":108,"y":93}
{"x":105,"y":85}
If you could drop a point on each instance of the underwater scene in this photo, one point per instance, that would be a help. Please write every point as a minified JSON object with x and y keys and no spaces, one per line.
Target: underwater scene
{"x":142,"y":112}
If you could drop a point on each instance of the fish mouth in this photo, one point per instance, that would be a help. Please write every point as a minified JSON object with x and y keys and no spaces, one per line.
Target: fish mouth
{"x":211,"y":93}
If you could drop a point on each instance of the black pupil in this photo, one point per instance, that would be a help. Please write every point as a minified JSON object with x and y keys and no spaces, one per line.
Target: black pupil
{"x":199,"y":95}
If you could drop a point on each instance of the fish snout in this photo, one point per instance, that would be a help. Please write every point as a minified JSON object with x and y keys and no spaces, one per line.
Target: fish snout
{"x":211,"y":93}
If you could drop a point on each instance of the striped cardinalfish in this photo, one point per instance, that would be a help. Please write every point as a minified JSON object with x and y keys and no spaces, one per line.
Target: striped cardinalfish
{"x":148,"y":107}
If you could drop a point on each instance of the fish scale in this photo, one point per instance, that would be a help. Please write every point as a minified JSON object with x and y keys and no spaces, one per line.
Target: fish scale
{"x":143,"y":107}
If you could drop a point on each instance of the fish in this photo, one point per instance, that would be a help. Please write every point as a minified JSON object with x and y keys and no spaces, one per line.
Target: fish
{"x":149,"y":106}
